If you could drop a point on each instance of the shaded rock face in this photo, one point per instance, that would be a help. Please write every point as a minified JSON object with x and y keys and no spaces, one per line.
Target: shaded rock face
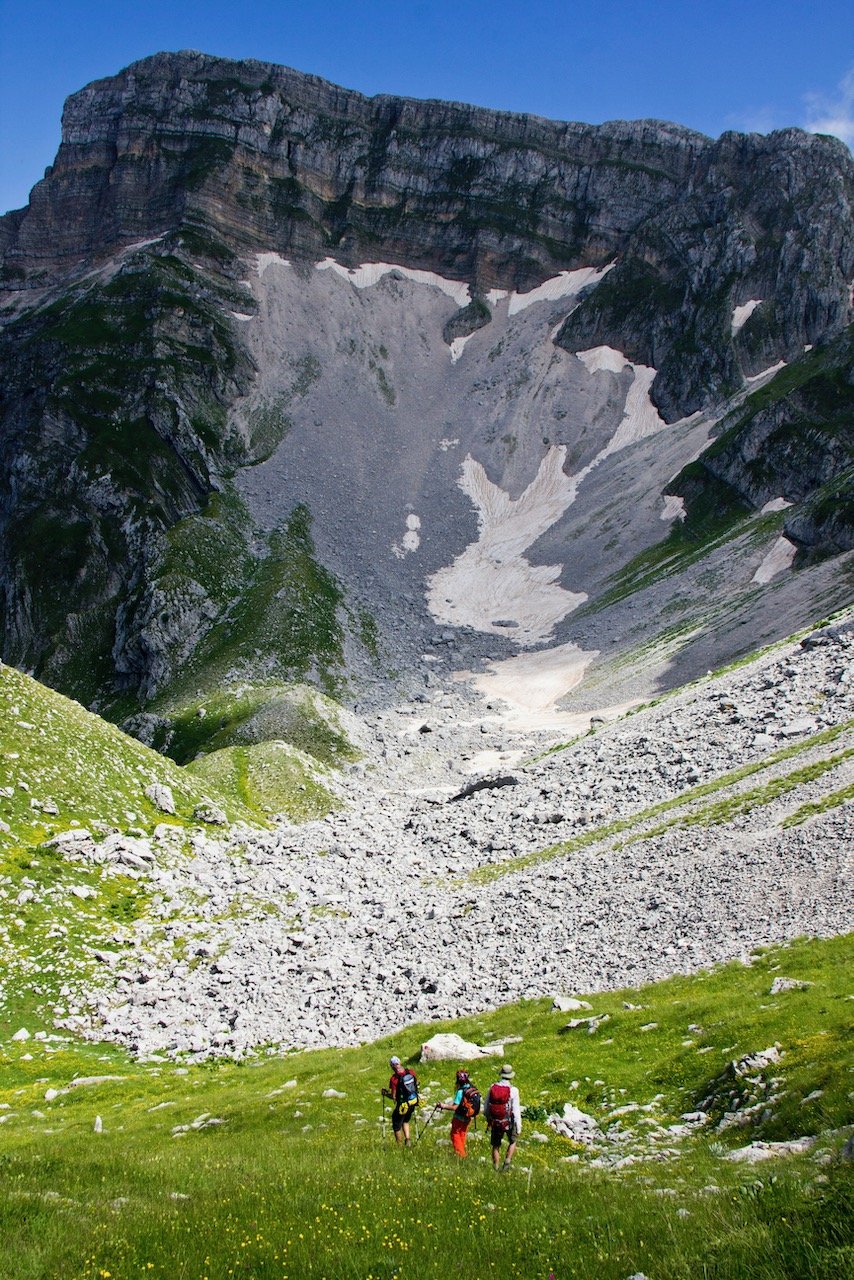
{"x":207,"y":442}
{"x":276,"y":160}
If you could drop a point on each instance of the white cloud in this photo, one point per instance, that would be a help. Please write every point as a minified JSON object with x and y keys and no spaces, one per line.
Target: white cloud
{"x":833,"y":115}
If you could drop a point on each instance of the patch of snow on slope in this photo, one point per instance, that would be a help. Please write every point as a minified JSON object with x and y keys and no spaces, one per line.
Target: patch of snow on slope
{"x":491,"y":582}
{"x":674,"y":507}
{"x":742,"y":314}
{"x":640,"y":416}
{"x":531,"y":686}
{"x":494,"y":296}
{"x":602,"y":360}
{"x":240,"y":315}
{"x":778,"y":559}
{"x":411,"y":540}
{"x":564,"y":285}
{"x":758,"y":379}
{"x":775,"y":504}
{"x":265,"y":260}
{"x":370,"y":273}
{"x":456,"y":347}
{"x":490,"y":586}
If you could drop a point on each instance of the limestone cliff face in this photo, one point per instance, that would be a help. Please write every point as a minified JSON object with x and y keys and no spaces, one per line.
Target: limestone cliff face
{"x":276,"y":160}
{"x":133,"y":397}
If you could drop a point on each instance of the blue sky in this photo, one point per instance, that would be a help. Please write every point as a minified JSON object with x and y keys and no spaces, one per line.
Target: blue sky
{"x":747,"y":65}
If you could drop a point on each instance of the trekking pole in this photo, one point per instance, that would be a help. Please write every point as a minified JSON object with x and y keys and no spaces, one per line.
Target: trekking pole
{"x":427,"y":1122}
{"x":384,"y":1124}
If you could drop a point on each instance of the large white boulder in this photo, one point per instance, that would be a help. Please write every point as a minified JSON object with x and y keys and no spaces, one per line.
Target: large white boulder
{"x":449,"y":1047}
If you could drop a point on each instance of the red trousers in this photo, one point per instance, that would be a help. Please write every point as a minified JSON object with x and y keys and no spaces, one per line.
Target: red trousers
{"x":459,"y":1129}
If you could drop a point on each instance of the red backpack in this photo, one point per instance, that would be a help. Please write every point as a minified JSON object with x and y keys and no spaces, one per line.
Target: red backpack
{"x":499,"y":1108}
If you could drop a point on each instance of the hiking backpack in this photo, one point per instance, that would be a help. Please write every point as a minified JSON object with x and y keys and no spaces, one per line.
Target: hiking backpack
{"x":469,"y":1104}
{"x":407,"y":1092}
{"x":499,"y":1107}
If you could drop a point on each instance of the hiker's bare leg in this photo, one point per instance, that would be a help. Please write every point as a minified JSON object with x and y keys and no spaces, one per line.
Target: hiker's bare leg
{"x":511,"y":1151}
{"x":406,"y":1134}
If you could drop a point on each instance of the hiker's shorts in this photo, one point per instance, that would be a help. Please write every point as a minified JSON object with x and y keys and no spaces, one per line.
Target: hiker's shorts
{"x":398,"y":1120}
{"x":497,"y":1134}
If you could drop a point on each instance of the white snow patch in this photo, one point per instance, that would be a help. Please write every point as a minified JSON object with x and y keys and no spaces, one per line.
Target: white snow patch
{"x":807,"y":347}
{"x":640,"y":416}
{"x":456,"y":347}
{"x":766,"y":375}
{"x":495,"y":295}
{"x":491,"y":582}
{"x":370,"y":273}
{"x":776,"y":504}
{"x":265,"y":260}
{"x":240,"y":315}
{"x":602,"y":360}
{"x":742,"y":314}
{"x":491,"y":585}
{"x":778,"y":559}
{"x":411,"y":540}
{"x":564,"y":285}
{"x":532,"y":684}
{"x":674,"y":507}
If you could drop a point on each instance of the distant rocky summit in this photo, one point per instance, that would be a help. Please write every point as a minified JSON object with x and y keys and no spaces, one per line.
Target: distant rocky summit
{"x":294,"y":382}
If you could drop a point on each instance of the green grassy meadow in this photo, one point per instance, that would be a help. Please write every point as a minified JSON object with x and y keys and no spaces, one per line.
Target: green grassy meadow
{"x":224,"y":1169}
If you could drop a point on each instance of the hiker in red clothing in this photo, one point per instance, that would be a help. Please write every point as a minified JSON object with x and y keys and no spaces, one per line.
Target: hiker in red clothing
{"x":503,"y":1113}
{"x":403,"y":1091}
{"x":466,"y":1107}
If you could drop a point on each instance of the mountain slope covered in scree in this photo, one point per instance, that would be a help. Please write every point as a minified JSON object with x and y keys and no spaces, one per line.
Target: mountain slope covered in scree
{"x":299,"y":385}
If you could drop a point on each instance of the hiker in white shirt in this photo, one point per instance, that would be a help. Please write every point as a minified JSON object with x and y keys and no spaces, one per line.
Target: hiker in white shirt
{"x":504,"y":1116}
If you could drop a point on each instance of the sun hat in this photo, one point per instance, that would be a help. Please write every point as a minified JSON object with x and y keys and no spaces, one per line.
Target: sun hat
{"x":507,"y":1072}
{"x":394,"y":1062}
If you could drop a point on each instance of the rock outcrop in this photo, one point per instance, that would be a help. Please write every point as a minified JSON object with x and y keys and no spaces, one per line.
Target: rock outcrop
{"x":153,"y":353}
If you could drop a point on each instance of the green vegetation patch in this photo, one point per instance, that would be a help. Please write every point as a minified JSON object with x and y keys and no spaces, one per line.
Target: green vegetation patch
{"x":247,"y":714}
{"x":245,"y":1169}
{"x":270,"y":777}
{"x":62,"y":766}
{"x":287,"y":612}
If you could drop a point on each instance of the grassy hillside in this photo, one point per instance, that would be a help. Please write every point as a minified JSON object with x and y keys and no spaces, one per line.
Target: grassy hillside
{"x":61,"y":766}
{"x":247,"y":1170}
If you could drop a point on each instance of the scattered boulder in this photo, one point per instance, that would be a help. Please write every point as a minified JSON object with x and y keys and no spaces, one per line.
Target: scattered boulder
{"x":788,"y":984}
{"x":449,"y":1047}
{"x":161,"y":797}
{"x":754,"y":1152}
{"x":76,"y":835}
{"x":207,"y":811}
{"x":569,"y":1004}
{"x":575,"y":1124}
{"x":752,"y":1063}
{"x":591,"y":1024}
{"x":485,"y":784}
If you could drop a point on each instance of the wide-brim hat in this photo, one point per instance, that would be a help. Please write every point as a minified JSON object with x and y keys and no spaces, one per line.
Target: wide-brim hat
{"x":394,"y":1062}
{"x":507,"y":1072}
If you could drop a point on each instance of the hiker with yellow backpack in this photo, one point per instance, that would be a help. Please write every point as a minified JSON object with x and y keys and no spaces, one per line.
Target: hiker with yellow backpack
{"x":403,"y":1091}
{"x":466,"y":1108}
